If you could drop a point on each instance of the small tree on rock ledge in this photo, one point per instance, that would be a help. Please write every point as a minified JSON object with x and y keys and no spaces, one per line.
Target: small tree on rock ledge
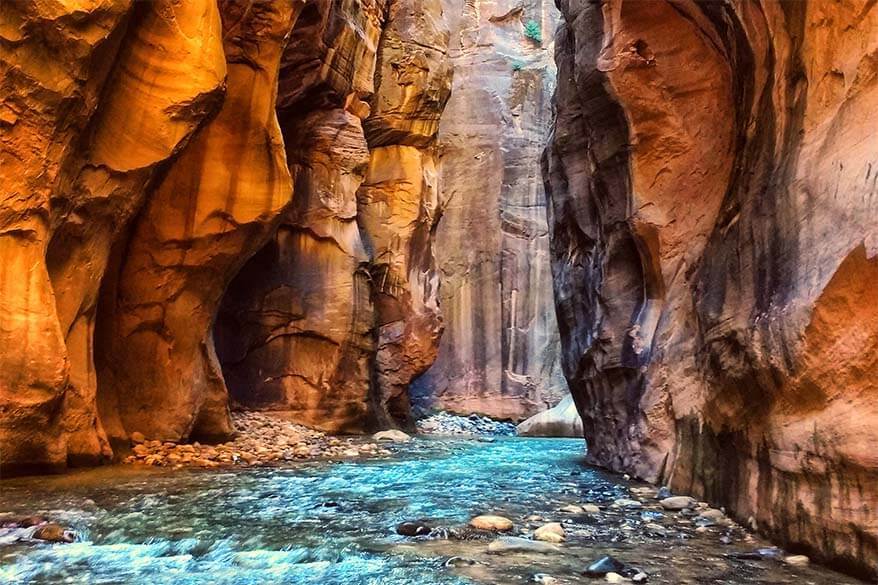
{"x":532,"y":31}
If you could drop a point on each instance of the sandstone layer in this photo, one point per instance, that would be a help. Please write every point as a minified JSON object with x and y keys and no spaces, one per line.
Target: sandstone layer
{"x":499,"y":354}
{"x":149,"y":150}
{"x":398,"y":202}
{"x":294,"y":334}
{"x":712,"y":186}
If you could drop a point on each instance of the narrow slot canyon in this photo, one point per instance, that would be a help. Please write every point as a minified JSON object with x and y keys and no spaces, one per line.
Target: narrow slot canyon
{"x":441,"y":292}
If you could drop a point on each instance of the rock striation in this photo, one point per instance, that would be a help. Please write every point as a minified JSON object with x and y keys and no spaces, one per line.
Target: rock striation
{"x":499,"y":354}
{"x":712,"y":187}
{"x":149,"y":150}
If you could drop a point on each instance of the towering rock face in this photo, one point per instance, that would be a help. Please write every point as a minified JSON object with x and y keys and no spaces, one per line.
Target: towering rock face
{"x":499,"y":354}
{"x":398,"y":203}
{"x":74,"y":173}
{"x":352,"y":259}
{"x":294,"y":334}
{"x":216,"y":205}
{"x":713,"y":240}
{"x":144,"y":164}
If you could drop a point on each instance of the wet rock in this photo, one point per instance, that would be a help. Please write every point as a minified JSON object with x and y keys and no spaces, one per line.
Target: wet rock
{"x":627,"y":503}
{"x":654,"y":529}
{"x":677,"y":503}
{"x":416,"y":528}
{"x":137,"y":438}
{"x":460,"y":562}
{"x":513,"y":544}
{"x":392,"y":435}
{"x":797,"y":560}
{"x":663,"y":493}
{"x":758,"y":554}
{"x":54,"y":533}
{"x":573,"y":509}
{"x":552,"y":532}
{"x":492,"y":523}
{"x":590,"y":509}
{"x":25,"y":522}
{"x":604,"y":565}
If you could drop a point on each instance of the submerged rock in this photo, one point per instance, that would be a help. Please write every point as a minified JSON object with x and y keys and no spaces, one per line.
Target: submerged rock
{"x":416,"y":528}
{"x":513,"y":544}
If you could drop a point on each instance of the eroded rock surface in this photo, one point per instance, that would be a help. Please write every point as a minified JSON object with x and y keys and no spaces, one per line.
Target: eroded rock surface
{"x":295,"y":330}
{"x":398,"y":203}
{"x":712,"y":184}
{"x":499,"y":354}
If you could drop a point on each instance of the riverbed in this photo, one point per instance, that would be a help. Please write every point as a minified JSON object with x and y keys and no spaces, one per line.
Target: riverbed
{"x":335,"y":523}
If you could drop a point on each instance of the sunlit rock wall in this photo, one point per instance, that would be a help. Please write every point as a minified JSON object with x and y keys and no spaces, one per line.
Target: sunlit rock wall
{"x":499,"y":354}
{"x":76,"y":167}
{"x":712,"y":186}
{"x":294,"y":333}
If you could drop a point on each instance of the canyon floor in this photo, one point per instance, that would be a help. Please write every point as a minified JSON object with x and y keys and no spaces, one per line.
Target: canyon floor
{"x":336,"y":522}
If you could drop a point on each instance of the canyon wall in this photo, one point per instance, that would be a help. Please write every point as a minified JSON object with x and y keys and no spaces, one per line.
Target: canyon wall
{"x":148,"y":151}
{"x":499,"y":354}
{"x":712,"y":180}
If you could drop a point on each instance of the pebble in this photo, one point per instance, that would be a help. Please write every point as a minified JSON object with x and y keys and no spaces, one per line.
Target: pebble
{"x":676,"y":503}
{"x":460,"y":562}
{"x":614,"y":578}
{"x":590,"y":509}
{"x":543,"y":579}
{"x":137,"y":438}
{"x":492,"y":523}
{"x":572,"y":509}
{"x":627,"y":503}
{"x":551,"y":532}
{"x":797,"y":560}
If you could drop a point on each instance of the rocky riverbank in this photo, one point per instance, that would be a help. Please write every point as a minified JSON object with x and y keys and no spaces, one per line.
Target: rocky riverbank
{"x":262,"y":438}
{"x":610,"y":536}
{"x":446,"y":424}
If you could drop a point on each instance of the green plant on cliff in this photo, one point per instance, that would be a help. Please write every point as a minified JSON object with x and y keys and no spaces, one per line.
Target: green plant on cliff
{"x":517,"y":65}
{"x":532,"y":31}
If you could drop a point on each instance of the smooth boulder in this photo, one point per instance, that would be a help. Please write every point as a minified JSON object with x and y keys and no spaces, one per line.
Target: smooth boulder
{"x":551,"y":532}
{"x":492,"y":523}
{"x":562,"y":420}
{"x":392,"y":435}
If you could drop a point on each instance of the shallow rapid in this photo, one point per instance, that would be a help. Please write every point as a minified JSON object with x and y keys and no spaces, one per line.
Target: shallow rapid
{"x":334,"y":523}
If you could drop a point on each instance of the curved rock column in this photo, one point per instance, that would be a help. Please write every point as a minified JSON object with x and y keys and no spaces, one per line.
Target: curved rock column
{"x":398,"y":204}
{"x":164,"y":75}
{"x":295,"y":330}
{"x":713,"y":238}
{"x":218,"y":204}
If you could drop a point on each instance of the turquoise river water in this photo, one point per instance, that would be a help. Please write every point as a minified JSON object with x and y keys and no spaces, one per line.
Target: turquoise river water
{"x":334,"y":523}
